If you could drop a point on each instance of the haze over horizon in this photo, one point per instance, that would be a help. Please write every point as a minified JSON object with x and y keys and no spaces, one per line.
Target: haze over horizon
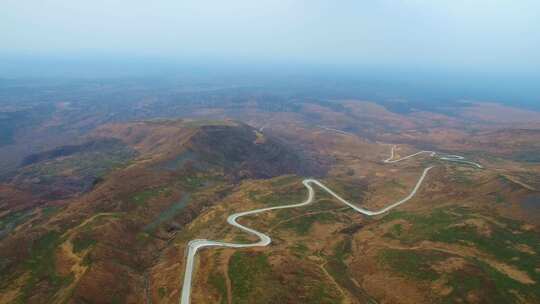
{"x":501,"y":36}
{"x":486,"y":50}
{"x":270,"y":151}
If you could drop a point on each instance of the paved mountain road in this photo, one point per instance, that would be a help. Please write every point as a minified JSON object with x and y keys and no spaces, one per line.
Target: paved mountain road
{"x":264,"y":240}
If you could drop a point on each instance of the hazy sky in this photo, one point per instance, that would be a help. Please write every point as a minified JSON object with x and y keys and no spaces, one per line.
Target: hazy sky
{"x":499,"y":34}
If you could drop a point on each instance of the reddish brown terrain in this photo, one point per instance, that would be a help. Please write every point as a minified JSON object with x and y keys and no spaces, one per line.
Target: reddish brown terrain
{"x":107,"y":218}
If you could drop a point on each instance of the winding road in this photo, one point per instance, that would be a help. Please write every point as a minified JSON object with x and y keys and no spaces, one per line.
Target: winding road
{"x":264,"y":240}
{"x":448,"y":157}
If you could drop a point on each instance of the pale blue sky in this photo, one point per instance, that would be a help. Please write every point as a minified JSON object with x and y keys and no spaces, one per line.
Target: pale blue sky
{"x":495,"y":34}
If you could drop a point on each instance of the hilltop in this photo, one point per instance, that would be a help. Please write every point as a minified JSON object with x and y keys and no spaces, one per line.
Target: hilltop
{"x":167,"y":172}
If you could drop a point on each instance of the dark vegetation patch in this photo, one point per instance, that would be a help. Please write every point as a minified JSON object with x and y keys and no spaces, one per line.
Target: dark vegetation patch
{"x":502,"y":244}
{"x":321,"y":294}
{"x":71,"y":169}
{"x":423,"y":226}
{"x":254,"y":280}
{"x":141,"y":198}
{"x":82,"y":242}
{"x":49,"y":211}
{"x":396,"y":230}
{"x":300,"y":220}
{"x":394,"y":183}
{"x":162,"y":292}
{"x":324,"y":203}
{"x":41,"y":265}
{"x":288,"y":190}
{"x":498,"y":198}
{"x":352,"y":229}
{"x":351,"y":190}
{"x":250,"y":275}
{"x":412,"y":264}
{"x":217,"y":280}
{"x":168,"y":214}
{"x":475,"y":278}
{"x":100,"y":145}
{"x":338,"y":269}
{"x":303,"y":224}
{"x":487,"y":284}
{"x":12,"y":220}
{"x":199,"y":189}
{"x":448,"y":225}
{"x":235,"y":149}
{"x":195,"y":181}
{"x":300,"y":250}
{"x":283,"y":196}
{"x":188,"y":158}
{"x":243,"y":238}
